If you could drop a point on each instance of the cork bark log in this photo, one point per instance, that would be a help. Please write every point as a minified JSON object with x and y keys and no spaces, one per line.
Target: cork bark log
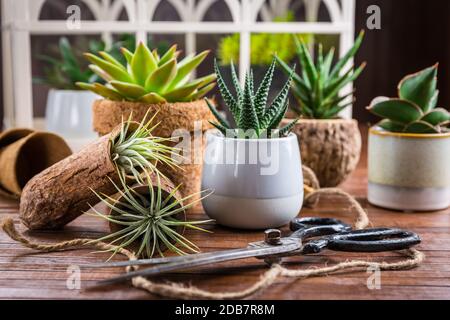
{"x":171,"y":116}
{"x":331,"y":148}
{"x":63,"y":192}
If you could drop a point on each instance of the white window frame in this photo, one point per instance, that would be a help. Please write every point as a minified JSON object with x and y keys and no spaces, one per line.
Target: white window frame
{"x":20,"y":20}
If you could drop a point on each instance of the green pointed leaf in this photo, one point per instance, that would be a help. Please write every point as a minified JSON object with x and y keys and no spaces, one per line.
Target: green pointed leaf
{"x":277,"y":104}
{"x":434,"y":100}
{"x":235,"y":80}
{"x":111,"y":59}
{"x":159,"y":79}
{"x":286,"y":130}
{"x":152,"y":97}
{"x":397,"y":110}
{"x":201,"y":93}
{"x":66,"y":52}
{"x":421,"y":128}
{"x":226,"y":94}
{"x":275,"y":122}
{"x":222,"y":121}
{"x":129,"y":90}
{"x":127,"y":54}
{"x":263,"y":91}
{"x":101,"y":90}
{"x":170,"y":54}
{"x":222,"y":129}
{"x":185,"y":67}
{"x":306,"y":61}
{"x":249,"y":118}
{"x":339,"y":83}
{"x":100,"y":72}
{"x":114,"y":71}
{"x":436,"y":117}
{"x":143,"y":64}
{"x":297,"y":80}
{"x":325,"y":71}
{"x":391,"y":126}
{"x":420,"y":87}
{"x":342,"y":62}
{"x":180,"y":93}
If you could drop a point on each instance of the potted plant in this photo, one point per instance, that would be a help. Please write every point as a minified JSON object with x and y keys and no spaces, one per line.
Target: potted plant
{"x":409,"y":151}
{"x":66,"y":111}
{"x":252,"y":166}
{"x":329,"y":145}
{"x":163,"y":86}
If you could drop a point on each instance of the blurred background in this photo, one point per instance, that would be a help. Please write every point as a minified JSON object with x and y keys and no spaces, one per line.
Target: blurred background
{"x":414,"y":34}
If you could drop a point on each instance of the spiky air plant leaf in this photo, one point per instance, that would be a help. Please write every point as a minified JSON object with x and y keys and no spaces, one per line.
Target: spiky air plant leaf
{"x":150,"y":217}
{"x":317,"y":88}
{"x":149,"y":78}
{"x":254,"y":118}
{"x":415,"y":110}
{"x":137,"y":151}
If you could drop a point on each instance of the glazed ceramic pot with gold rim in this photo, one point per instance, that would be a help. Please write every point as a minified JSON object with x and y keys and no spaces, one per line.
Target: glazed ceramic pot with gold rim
{"x":409,"y":172}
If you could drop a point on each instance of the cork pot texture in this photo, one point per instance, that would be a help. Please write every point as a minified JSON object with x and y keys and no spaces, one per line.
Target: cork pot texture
{"x":25,"y":153}
{"x":331,"y":148}
{"x":63,"y":192}
{"x":184,"y":116}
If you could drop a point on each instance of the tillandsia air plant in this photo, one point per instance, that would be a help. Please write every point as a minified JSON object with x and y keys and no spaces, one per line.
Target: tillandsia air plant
{"x":135,"y":152}
{"x":151,"y":216}
{"x":414,"y":111}
{"x":148,"y":77}
{"x":252,"y":116}
{"x":317,"y":88}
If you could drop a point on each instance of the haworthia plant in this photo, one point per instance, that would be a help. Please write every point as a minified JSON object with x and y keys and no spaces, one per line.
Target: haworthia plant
{"x":253,"y":116}
{"x":414,"y":111}
{"x":317,"y":88}
{"x":148,"y":77}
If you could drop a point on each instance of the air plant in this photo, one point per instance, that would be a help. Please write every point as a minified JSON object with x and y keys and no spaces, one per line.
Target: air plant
{"x":414,"y":111}
{"x":137,"y":151}
{"x":317,"y":88}
{"x":147,"y":77}
{"x":150,"y":216}
{"x":252,"y":116}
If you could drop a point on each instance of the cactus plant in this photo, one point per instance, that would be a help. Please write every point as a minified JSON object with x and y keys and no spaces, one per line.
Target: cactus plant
{"x":414,"y":111}
{"x":252,"y":116}
{"x":317,"y":88}
{"x":147,"y":77}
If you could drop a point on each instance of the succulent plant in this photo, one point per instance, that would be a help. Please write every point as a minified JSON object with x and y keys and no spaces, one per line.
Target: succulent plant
{"x":317,"y":88}
{"x":147,"y":77}
{"x":414,"y":111}
{"x":252,"y":116}
{"x":135,"y":152}
{"x":151,"y":219}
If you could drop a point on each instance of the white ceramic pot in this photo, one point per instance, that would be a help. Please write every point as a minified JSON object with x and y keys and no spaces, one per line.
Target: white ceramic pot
{"x":256,"y":183}
{"x":69,"y":113}
{"x":409,"y":172}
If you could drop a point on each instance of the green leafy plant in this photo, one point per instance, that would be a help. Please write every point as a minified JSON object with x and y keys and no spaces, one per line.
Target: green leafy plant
{"x":414,"y":111}
{"x":252,"y":116}
{"x":262,"y":45}
{"x":135,"y":152}
{"x":317,"y":88}
{"x":152,"y":219}
{"x":148,"y":77}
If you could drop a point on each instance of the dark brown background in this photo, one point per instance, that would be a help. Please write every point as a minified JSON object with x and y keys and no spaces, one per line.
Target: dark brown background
{"x":414,"y":35}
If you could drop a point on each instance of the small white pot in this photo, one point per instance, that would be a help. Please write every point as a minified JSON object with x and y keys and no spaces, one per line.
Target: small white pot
{"x":256,"y":183}
{"x":409,"y":172}
{"x":69,"y":113}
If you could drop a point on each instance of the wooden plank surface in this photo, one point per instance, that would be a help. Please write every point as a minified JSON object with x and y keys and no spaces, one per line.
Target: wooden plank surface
{"x":26,"y":274}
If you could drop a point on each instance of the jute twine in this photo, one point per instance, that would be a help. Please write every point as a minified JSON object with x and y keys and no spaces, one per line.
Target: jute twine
{"x":276,"y":271}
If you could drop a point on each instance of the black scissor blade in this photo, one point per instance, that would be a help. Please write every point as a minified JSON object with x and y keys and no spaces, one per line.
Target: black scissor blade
{"x":213,"y":257}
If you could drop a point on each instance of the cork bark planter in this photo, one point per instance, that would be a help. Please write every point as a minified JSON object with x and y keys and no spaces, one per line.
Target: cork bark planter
{"x":63,"y":192}
{"x":176,"y":119}
{"x":409,"y":172}
{"x":331,"y":148}
{"x":23,"y":154}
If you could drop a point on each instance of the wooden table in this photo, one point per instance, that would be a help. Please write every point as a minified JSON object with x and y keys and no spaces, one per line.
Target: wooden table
{"x":25,"y":274}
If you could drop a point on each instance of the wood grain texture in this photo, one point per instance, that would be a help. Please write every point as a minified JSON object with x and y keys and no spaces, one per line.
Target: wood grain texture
{"x":26,"y":274}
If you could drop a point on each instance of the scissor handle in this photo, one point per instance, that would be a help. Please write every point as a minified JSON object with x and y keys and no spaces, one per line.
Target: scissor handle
{"x":369,"y":240}
{"x":305,"y":228}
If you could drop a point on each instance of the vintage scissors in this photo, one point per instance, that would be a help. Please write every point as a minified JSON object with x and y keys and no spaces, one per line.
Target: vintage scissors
{"x":327,"y":233}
